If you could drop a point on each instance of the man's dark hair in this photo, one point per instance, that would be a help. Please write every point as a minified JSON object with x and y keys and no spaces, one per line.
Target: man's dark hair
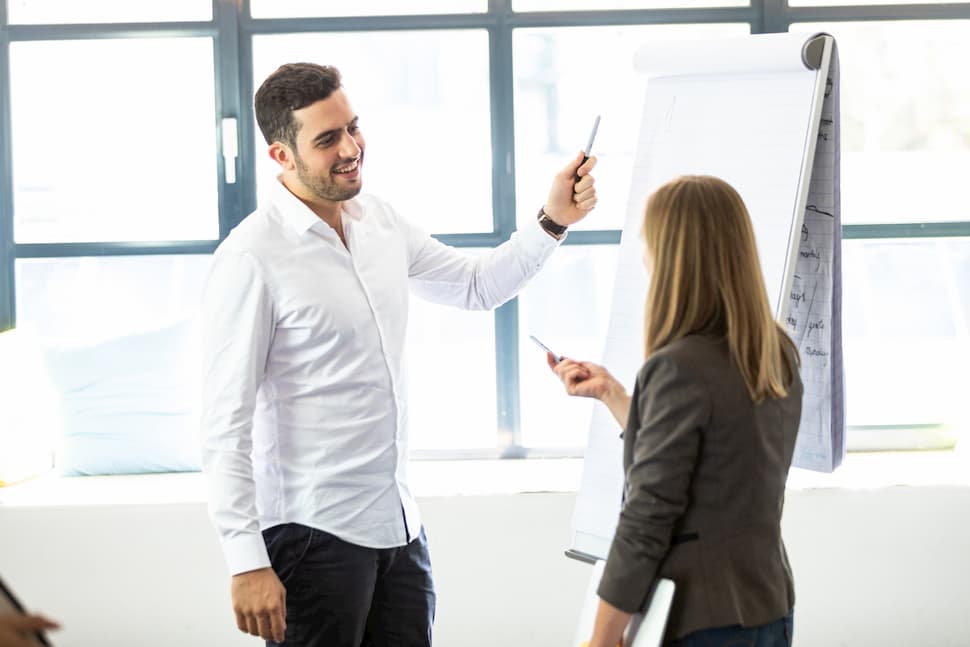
{"x":291,"y":87}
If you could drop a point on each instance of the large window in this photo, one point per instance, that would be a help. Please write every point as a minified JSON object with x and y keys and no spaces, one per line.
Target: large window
{"x":905,"y":160}
{"x":130,"y":149}
{"x":102,"y":152}
{"x":559,"y":87}
{"x":422,"y":97}
{"x":54,"y":12}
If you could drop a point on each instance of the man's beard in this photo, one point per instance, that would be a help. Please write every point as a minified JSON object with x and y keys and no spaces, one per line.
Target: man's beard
{"x":322,"y":186}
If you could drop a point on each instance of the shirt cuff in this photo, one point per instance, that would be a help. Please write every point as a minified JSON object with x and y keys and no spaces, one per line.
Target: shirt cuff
{"x":246,"y":552}
{"x":535,"y":237}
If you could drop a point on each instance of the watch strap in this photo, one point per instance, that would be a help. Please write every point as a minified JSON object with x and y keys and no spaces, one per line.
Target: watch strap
{"x":550,"y":225}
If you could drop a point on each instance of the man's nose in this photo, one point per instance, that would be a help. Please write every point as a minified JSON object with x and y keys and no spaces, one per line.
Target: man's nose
{"x":348,"y":146}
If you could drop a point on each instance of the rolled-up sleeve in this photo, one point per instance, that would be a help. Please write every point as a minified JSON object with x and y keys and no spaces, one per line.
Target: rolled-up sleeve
{"x":237,"y":326}
{"x":670,"y":407}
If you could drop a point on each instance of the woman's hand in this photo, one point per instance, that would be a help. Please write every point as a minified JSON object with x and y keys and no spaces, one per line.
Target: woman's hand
{"x":584,"y":379}
{"x":589,"y":380}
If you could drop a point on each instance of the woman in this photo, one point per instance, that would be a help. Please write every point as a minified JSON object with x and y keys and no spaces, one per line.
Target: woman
{"x":709,"y":432}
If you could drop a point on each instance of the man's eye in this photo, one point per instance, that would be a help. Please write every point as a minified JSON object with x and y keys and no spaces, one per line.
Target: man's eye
{"x":353,"y":130}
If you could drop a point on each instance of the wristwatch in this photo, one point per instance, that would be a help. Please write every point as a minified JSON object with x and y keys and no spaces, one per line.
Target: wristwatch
{"x":550,"y":225}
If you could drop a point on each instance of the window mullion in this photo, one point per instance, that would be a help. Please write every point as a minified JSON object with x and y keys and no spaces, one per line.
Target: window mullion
{"x":774,"y":17}
{"x":7,"y":258}
{"x":249,"y":139}
{"x":504,"y":219}
{"x":228,"y":75}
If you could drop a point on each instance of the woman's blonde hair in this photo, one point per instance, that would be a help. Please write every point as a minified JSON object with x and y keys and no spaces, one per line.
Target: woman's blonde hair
{"x":707,"y":280}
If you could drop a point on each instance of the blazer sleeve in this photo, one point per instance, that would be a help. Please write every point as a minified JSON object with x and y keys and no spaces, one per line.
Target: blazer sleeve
{"x":670,"y":407}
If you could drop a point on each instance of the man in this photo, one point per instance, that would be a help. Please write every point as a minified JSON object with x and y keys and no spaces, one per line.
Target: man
{"x":305,"y":417}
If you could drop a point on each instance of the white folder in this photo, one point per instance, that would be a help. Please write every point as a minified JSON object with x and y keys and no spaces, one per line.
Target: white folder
{"x":645,"y":629}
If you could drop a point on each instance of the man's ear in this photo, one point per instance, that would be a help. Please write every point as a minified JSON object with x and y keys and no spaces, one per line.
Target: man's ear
{"x":282,"y":155}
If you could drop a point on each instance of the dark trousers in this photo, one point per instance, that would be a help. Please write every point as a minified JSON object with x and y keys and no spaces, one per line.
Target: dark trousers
{"x":343,"y":595}
{"x":777,"y":633}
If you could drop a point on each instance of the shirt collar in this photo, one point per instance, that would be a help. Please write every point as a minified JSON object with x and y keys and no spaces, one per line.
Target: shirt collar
{"x":299,"y":217}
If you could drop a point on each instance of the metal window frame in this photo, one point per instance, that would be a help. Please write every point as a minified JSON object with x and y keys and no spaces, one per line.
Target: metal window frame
{"x":223,"y":31}
{"x":8,"y":306}
{"x":232,"y":29}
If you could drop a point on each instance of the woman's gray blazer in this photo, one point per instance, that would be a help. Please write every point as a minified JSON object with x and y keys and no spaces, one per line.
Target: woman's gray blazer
{"x":705,"y":484}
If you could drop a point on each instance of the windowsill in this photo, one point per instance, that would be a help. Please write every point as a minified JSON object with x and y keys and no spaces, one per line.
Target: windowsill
{"x":487,"y":477}
{"x":871,"y":470}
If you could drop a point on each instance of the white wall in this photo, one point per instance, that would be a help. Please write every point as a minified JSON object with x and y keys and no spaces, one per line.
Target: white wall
{"x":887,"y":567}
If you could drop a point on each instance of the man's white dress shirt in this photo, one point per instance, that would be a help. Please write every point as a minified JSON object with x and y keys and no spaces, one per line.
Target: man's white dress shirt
{"x":305,"y":415}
